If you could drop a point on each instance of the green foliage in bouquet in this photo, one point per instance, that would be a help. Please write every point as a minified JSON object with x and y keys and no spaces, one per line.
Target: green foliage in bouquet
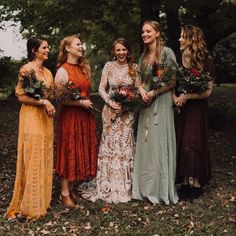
{"x":32,"y":86}
{"x":158,"y":75}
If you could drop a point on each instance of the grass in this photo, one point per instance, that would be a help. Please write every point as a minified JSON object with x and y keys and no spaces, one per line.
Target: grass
{"x":213,"y":214}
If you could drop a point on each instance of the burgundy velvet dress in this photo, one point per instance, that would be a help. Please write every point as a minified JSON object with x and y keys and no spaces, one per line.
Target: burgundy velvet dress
{"x":193,"y":159}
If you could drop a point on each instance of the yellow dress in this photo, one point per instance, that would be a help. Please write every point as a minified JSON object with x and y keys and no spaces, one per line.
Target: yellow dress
{"x":33,"y":183}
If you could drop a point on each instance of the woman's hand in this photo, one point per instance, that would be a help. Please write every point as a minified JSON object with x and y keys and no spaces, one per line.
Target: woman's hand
{"x":49,"y":108}
{"x":116,"y":106}
{"x":143,"y":94}
{"x":151,"y":94}
{"x":181,"y":100}
{"x":174,"y":97}
{"x":86,"y":103}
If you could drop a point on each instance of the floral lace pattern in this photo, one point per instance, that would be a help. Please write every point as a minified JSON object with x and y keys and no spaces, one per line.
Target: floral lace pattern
{"x":116,"y":151}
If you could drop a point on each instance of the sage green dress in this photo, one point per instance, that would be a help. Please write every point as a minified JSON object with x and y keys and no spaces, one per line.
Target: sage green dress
{"x":155,"y":157}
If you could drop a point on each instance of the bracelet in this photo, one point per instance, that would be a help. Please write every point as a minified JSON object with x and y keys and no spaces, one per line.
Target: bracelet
{"x":82,"y":102}
{"x":42,"y":102}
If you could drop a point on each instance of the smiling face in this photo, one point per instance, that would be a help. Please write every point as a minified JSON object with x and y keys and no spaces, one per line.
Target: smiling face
{"x":75,"y":48}
{"x":121,"y":53}
{"x":42,"y":52}
{"x":149,"y":34}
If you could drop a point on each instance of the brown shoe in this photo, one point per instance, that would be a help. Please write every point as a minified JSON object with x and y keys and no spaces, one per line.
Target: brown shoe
{"x":67,"y":201}
{"x":75,"y":196}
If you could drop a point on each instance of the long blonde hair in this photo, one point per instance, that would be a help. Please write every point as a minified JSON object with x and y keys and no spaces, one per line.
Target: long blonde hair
{"x":195,"y":52}
{"x":62,"y":55}
{"x":159,"y":43}
{"x":130,"y":58}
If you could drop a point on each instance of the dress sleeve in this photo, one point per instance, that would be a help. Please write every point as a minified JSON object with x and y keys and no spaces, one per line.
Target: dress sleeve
{"x":104,"y":84}
{"x":137,"y":81}
{"x":19,"y":90}
{"x":169,"y":58}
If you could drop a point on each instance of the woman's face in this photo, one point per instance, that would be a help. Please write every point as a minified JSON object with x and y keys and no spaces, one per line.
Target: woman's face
{"x":121,"y":53}
{"x":75,"y":48}
{"x":149,"y":34}
{"x":42,"y":52}
{"x":182,"y":41}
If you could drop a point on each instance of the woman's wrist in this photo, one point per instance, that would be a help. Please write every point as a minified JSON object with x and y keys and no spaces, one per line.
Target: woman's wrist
{"x":155,"y":93}
{"x":42,"y":102}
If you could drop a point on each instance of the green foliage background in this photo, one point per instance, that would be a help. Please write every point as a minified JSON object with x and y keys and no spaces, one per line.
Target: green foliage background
{"x":101,"y":21}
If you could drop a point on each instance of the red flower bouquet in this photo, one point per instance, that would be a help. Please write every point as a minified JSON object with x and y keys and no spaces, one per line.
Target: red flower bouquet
{"x":192,"y":80}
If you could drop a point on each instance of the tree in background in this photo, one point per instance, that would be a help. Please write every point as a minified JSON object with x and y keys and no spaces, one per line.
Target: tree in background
{"x":101,"y":21}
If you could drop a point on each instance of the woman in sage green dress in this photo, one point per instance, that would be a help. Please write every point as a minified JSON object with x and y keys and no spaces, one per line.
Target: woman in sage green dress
{"x":155,"y":158}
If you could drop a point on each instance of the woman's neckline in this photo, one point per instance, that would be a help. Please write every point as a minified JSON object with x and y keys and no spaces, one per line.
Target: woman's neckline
{"x":118,"y":64}
{"x":72,"y":64}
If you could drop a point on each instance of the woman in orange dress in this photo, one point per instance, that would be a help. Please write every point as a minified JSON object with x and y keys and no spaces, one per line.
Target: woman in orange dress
{"x":33,"y":183}
{"x":76,"y":151}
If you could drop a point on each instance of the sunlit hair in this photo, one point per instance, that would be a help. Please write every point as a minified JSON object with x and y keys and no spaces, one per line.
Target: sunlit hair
{"x":130,"y":58}
{"x":195,"y":52}
{"x":62,"y":55}
{"x":33,"y":45}
{"x":159,"y":43}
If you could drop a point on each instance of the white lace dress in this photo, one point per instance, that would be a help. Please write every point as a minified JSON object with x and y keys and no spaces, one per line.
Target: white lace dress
{"x":116,"y":151}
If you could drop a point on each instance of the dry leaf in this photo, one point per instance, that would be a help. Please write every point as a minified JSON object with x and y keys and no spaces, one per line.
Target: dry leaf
{"x":44,"y":232}
{"x":88,"y":226}
{"x":232,"y":199}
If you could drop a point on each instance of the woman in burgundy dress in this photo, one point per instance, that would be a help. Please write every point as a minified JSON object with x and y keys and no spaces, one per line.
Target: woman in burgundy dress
{"x":76,"y":151}
{"x":193,"y":163}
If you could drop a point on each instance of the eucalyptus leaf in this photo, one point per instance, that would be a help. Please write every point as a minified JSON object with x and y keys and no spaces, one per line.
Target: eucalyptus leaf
{"x":29,"y":90}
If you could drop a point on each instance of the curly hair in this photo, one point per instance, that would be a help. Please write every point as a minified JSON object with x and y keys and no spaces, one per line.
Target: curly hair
{"x":195,"y":52}
{"x":130,"y":58}
{"x":62,"y":55}
{"x":159,"y":43}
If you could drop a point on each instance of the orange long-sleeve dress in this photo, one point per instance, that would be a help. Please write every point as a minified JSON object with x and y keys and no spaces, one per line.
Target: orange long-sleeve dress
{"x":33,"y":183}
{"x":77,"y":148}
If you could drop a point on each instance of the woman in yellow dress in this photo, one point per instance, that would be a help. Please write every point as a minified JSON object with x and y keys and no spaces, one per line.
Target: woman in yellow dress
{"x":33,"y":183}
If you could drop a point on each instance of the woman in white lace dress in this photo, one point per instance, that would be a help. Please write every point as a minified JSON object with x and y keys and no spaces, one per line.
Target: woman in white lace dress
{"x":116,"y":151}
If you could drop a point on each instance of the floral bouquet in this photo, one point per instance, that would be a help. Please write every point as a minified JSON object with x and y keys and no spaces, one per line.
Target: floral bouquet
{"x":192,"y":80}
{"x":128,"y":97}
{"x":67,"y":92}
{"x":157,"y":76}
{"x":32,"y":86}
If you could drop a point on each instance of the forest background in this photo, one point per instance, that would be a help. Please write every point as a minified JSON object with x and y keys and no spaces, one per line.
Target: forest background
{"x":100,"y":22}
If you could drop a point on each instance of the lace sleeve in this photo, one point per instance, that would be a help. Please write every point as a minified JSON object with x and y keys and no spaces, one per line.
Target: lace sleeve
{"x":169,"y":58}
{"x":104,"y":84}
{"x":137,"y":81}
{"x":19,"y":90}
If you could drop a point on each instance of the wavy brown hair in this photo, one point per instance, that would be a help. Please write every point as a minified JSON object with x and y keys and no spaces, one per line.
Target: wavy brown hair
{"x":130,"y":58}
{"x":195,"y":52}
{"x":159,"y":43}
{"x":33,"y":45}
{"x":62,"y":55}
